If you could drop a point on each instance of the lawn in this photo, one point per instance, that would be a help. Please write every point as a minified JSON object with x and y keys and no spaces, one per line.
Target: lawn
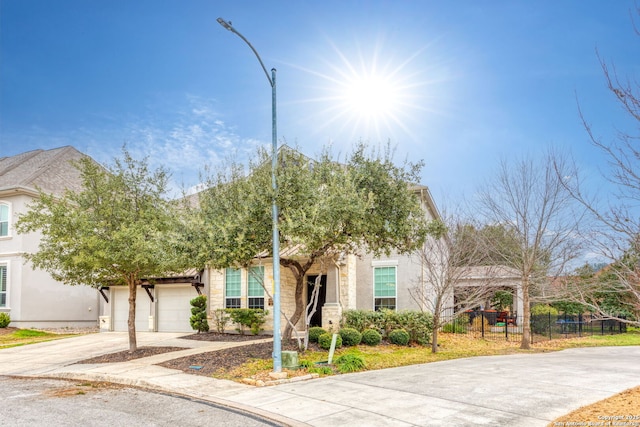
{"x":13,"y":337}
{"x":452,"y":346}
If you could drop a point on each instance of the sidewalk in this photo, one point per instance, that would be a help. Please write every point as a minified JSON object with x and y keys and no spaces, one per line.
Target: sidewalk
{"x":522,"y":390}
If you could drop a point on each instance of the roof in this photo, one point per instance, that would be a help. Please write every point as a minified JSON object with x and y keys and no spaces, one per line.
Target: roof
{"x":48,"y":170}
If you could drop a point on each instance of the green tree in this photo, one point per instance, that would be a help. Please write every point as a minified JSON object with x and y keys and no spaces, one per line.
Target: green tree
{"x":198,"y":319}
{"x":326,"y":208}
{"x":117,"y":230}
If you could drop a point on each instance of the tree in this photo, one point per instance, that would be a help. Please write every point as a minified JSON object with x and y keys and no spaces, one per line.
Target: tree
{"x":616,"y":237}
{"x":326,"y":208}
{"x":447,"y":258}
{"x":529,"y":200}
{"x":117,"y":230}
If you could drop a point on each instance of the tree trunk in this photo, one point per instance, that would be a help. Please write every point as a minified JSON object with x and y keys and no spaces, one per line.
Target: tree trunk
{"x":131,"y":322}
{"x":299,"y":304}
{"x":525,"y":344}
{"x":434,"y":335}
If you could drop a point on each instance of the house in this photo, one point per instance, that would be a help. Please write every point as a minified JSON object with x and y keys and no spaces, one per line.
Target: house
{"x":32,"y":297}
{"x":348,"y":281}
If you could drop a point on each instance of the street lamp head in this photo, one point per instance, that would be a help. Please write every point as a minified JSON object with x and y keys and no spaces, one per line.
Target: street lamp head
{"x":225,"y":24}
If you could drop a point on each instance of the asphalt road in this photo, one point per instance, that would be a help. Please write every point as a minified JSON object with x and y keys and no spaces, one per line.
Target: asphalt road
{"x":47,"y":402}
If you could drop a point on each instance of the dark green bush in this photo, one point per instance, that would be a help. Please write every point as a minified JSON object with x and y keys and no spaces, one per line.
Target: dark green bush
{"x":350,"y":336}
{"x":350,"y":363}
{"x":198,"y":319}
{"x":315,"y":332}
{"x":371,"y":337}
{"x":399,"y":337}
{"x":418,"y":324}
{"x":5,"y":319}
{"x":324,"y":341}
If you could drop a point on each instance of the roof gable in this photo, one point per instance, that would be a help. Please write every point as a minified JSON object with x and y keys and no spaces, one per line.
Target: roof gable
{"x":49,"y":170}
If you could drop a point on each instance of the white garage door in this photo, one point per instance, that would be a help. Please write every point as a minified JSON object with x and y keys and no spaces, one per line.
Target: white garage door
{"x":120,"y":301}
{"x":174,"y":308}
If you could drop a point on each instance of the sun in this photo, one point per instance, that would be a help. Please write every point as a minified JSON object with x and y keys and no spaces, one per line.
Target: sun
{"x":372,"y":97}
{"x":375,"y":94}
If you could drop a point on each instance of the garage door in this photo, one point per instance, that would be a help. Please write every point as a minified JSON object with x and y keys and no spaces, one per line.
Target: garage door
{"x":120,"y":302}
{"x":174,"y":308}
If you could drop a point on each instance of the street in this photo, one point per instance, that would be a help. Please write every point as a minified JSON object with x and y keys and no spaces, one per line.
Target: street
{"x":47,"y":402}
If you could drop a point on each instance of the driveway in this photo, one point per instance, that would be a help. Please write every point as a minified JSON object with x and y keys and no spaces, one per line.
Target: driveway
{"x":523,"y":389}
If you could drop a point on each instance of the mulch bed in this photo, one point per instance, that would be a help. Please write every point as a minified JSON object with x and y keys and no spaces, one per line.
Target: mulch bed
{"x":224,"y":360}
{"x":209,"y":362}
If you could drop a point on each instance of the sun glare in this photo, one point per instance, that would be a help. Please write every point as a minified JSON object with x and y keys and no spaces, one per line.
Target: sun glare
{"x":373,"y":95}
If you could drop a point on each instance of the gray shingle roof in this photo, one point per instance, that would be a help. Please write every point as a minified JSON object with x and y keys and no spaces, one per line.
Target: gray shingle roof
{"x":49,"y":170}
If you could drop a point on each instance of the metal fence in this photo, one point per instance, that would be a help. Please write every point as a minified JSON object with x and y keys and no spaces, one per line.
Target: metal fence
{"x":491,"y":324}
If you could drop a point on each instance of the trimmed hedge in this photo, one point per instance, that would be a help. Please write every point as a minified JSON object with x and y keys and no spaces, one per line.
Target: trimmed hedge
{"x":399,"y":337}
{"x":350,"y":336}
{"x":315,"y":332}
{"x":324,"y":341}
{"x":5,"y":319}
{"x":371,"y":337}
{"x":418,"y":324}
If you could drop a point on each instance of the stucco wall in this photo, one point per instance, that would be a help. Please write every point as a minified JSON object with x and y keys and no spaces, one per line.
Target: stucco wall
{"x":34,"y":299}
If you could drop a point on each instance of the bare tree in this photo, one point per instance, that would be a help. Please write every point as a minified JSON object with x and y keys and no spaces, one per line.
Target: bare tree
{"x":616,"y":237}
{"x":447,"y":262}
{"x":530,"y":199}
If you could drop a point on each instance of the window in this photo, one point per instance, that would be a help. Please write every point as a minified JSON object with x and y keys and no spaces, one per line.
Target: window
{"x":232,"y":288}
{"x":255,"y":289}
{"x":4,"y":220}
{"x":3,"y":285}
{"x":384,"y":288}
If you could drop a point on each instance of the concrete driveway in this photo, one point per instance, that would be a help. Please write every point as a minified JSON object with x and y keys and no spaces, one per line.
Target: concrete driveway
{"x":522,"y":390}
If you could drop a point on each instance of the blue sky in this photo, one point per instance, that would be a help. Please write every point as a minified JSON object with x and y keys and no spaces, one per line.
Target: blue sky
{"x":458,"y":84}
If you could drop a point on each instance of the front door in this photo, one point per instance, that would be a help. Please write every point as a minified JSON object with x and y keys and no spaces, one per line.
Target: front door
{"x":316,"y":319}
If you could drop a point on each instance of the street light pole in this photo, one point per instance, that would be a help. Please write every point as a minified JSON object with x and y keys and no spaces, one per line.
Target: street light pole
{"x":277,"y":345}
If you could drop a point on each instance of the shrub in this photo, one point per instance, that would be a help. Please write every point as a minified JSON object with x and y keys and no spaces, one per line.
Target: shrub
{"x":418,"y":324}
{"x":455,"y":327}
{"x":350,"y":363}
{"x":221,"y":318}
{"x":399,"y":337}
{"x":543,"y":309}
{"x":321,"y":370}
{"x":198,"y":319}
{"x":371,"y":337}
{"x":350,"y":336}
{"x":252,"y":318}
{"x":324,"y":341}
{"x":315,"y":332}
{"x":5,"y":319}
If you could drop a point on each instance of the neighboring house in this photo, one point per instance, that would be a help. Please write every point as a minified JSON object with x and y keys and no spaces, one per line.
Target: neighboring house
{"x":498,"y":277}
{"x":32,"y":297}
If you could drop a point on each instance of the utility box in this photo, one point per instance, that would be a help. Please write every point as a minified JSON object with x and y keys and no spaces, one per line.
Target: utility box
{"x":105,"y":323}
{"x":290,"y":359}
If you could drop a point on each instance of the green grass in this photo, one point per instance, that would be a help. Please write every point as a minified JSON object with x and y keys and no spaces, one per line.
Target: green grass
{"x":28,"y":336}
{"x":452,"y":346}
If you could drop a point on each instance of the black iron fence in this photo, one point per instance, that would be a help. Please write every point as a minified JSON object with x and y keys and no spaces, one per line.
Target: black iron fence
{"x":491,"y":324}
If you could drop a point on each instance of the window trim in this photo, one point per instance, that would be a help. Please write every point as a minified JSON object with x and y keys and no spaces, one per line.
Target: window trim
{"x":9,"y":210}
{"x":255,"y":301}
{"x":378,"y":265}
{"x":6,"y":285}
{"x":234,"y":301}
